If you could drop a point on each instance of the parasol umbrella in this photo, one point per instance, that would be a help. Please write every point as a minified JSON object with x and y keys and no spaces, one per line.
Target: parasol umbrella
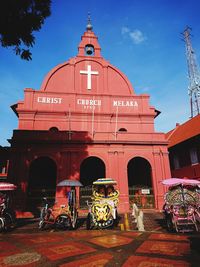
{"x":7,"y":186}
{"x":180,"y":181}
{"x":69,"y":183}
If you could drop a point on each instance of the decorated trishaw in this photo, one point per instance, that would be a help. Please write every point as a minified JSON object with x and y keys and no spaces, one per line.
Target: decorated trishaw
{"x":7,"y":214}
{"x":63,"y":216}
{"x":182,"y":203}
{"x":103,"y":207}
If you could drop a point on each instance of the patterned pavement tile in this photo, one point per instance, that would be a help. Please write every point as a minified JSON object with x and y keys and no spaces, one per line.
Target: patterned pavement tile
{"x":55,"y":252}
{"x":169,"y":237}
{"x":84,"y":234}
{"x":111,"y":241}
{"x":132,"y":234}
{"x":140,"y":261}
{"x":94,"y":261}
{"x":40,"y":239}
{"x":26,"y":259}
{"x":7,"y":249}
{"x":164,"y":248}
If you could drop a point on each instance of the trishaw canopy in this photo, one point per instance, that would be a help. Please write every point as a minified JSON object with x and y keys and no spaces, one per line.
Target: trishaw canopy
{"x":180,"y":181}
{"x":105,"y":181}
{"x":182,"y":191}
{"x":69,"y":183}
{"x":7,"y":186}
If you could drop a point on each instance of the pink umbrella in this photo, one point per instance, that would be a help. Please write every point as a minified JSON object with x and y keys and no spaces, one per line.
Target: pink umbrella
{"x":7,"y":186}
{"x":180,"y":181}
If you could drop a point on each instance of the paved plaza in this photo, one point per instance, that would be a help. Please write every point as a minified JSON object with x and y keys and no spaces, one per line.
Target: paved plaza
{"x":27,"y":246}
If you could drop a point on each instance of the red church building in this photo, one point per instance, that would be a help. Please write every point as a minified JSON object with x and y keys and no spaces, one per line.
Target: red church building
{"x":84,"y":123}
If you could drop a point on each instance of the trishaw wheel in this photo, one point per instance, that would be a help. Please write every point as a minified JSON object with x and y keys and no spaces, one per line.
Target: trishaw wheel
{"x":41,"y":224}
{"x":74,"y":219}
{"x":89,"y":222}
{"x":43,"y":213}
{"x":170,"y":227}
{"x":63,"y":222}
{"x":1,"y":224}
{"x":8,"y":221}
{"x":116,"y":220}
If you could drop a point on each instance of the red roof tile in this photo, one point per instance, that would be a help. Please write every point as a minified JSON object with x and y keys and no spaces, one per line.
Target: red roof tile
{"x":184,"y":131}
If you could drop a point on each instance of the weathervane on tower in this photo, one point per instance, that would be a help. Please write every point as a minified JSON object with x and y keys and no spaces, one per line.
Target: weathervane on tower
{"x":89,"y":24}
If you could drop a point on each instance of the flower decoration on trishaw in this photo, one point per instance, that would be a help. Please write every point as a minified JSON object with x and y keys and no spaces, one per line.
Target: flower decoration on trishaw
{"x":182,"y":204}
{"x":63,"y":216}
{"x":103,"y":208}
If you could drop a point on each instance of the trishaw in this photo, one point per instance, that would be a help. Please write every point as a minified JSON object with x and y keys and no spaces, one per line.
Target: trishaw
{"x":103,"y":208}
{"x":63,"y":216}
{"x":182,"y":202}
{"x":7,"y":214}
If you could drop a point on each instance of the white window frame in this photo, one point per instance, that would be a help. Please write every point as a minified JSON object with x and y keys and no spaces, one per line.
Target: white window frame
{"x":193,"y":156}
{"x":176,"y":162}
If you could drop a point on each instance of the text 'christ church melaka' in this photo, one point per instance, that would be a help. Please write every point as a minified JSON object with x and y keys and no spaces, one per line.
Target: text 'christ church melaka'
{"x":85,"y":123}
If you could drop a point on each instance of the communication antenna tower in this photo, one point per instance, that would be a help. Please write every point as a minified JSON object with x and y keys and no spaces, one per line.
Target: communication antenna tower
{"x":193,"y":73}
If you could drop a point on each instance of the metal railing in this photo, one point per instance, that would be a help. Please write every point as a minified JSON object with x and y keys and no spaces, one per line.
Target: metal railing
{"x":85,"y":196}
{"x":143,"y":200}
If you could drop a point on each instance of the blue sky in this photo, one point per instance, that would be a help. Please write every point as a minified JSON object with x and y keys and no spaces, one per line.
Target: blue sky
{"x":141,"y":38}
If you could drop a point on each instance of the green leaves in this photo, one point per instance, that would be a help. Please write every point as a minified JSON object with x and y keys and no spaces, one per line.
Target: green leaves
{"x":18,"y":20}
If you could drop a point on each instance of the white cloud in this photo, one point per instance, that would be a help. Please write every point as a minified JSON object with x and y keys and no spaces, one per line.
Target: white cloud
{"x":125,"y":30}
{"x":135,"y":35}
{"x":143,"y":90}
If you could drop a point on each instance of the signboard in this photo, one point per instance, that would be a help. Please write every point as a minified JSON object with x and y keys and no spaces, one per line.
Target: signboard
{"x":88,"y":103}
{"x":145,"y":191}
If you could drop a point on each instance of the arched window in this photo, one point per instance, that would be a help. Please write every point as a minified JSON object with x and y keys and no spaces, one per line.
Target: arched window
{"x":91,"y":169}
{"x":89,"y":50}
{"x":53,"y":129}
{"x":42,"y":181}
{"x":122,"y":130}
{"x":140,"y":182}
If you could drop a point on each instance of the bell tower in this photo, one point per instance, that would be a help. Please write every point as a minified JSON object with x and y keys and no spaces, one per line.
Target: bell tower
{"x":89,"y":45}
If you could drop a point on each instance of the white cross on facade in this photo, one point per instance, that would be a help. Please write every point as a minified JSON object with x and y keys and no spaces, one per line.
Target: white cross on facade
{"x":89,"y":73}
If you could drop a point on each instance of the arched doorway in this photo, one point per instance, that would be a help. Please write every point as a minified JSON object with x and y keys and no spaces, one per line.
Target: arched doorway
{"x":91,"y":169}
{"x":42,"y":181}
{"x":140,"y":182}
